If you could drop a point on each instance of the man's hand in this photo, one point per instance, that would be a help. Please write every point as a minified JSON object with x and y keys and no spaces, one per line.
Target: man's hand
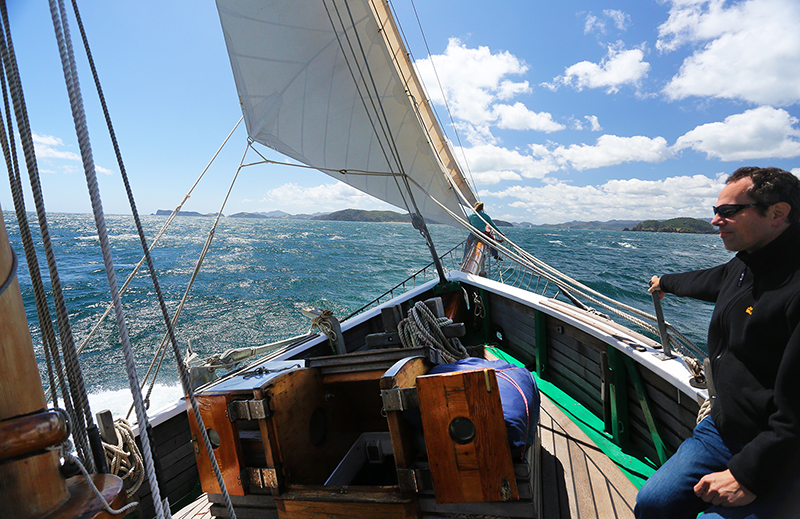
{"x":655,"y":286}
{"x":722,"y":489}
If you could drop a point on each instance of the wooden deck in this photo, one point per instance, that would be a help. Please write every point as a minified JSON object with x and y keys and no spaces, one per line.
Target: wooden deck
{"x":578,"y":480}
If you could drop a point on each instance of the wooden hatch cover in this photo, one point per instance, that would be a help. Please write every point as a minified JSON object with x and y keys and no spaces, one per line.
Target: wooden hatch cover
{"x":465,"y":436}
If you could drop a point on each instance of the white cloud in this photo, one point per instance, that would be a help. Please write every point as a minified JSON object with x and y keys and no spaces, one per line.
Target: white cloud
{"x":611,"y":150}
{"x":490,"y":163}
{"x":50,"y":147}
{"x":594,"y":121}
{"x":761,"y":133}
{"x":46,"y":146}
{"x":325,"y":197}
{"x":748,"y":51}
{"x":593,"y":23}
{"x":619,"y":67}
{"x":518,"y":117}
{"x":472,"y":79}
{"x":616,"y":199}
{"x":620,"y":18}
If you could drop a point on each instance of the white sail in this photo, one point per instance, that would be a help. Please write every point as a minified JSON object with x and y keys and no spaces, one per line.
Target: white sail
{"x":329,"y":83}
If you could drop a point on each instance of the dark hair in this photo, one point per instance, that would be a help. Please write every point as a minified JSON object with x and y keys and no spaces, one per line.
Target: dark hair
{"x":770,"y":186}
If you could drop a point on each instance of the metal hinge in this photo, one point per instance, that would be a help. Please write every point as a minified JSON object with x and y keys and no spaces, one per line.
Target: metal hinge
{"x":400,"y":399}
{"x":248,"y":410}
{"x":262,"y":478}
{"x":414,"y":480}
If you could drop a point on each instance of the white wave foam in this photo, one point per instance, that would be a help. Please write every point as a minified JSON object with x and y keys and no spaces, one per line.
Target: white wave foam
{"x":119,"y":401}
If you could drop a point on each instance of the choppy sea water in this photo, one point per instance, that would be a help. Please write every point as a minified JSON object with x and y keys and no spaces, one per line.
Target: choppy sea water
{"x":258,"y":274}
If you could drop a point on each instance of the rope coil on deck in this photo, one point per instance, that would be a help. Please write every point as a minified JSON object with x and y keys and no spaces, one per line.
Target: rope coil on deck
{"x":124,"y":459}
{"x":422,"y":328}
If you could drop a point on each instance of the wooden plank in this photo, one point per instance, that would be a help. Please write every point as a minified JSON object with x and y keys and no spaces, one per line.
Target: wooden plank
{"x":599,"y":488}
{"x":358,"y":376}
{"x":294,"y":398}
{"x":555,"y":501}
{"x":478,"y":468}
{"x":356,"y":503}
{"x":213,"y":411}
{"x":565,"y":384}
{"x":403,"y":374}
{"x":590,"y":375}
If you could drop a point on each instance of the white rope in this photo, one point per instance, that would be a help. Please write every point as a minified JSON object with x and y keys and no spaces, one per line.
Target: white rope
{"x":106,"y":505}
{"x":76,"y":102}
{"x":124,"y":458}
{"x":422,"y":328}
{"x":323,"y":324}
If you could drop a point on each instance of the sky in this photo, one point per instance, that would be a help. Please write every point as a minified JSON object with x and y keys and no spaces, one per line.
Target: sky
{"x":561,"y":111}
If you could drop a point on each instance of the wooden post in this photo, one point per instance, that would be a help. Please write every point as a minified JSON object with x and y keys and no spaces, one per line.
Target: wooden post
{"x":30,"y":487}
{"x":105,"y":422}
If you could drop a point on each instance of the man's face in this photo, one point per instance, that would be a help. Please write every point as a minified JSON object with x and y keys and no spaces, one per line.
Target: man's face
{"x":746,"y":230}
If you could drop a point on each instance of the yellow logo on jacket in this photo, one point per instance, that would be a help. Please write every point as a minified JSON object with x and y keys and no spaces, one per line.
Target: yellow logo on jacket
{"x":749,"y":310}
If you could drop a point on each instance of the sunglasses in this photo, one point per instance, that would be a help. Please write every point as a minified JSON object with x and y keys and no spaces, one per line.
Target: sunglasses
{"x":728,"y":210}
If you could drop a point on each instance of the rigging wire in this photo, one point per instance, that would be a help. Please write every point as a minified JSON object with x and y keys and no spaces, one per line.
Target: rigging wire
{"x":68,"y":348}
{"x":170,"y":328}
{"x":61,"y":27}
{"x":441,"y":90}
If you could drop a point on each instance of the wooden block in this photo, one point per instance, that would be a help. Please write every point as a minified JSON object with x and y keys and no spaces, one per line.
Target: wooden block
{"x":475,"y":469}
{"x":403,"y":374}
{"x":214,"y":412}
{"x":352,"y":504}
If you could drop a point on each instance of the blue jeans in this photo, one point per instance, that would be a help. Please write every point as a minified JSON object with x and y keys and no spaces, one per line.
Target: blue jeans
{"x":669,"y":493}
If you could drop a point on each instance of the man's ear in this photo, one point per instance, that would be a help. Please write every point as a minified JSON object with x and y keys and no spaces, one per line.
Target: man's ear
{"x":780,"y":212}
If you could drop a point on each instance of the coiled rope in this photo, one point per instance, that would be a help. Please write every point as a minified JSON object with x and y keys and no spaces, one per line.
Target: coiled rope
{"x":124,"y":459}
{"x":422,"y":328}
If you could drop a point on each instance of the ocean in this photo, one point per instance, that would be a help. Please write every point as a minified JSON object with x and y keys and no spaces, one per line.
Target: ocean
{"x":258,"y":274}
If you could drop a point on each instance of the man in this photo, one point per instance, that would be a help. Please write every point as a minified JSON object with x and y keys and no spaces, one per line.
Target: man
{"x":481,"y":221}
{"x":741,"y":460}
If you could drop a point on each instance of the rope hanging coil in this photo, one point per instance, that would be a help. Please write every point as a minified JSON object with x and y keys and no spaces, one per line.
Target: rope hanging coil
{"x":124,"y":458}
{"x":422,"y":328}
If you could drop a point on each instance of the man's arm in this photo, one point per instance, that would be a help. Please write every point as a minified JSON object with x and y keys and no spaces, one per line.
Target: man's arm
{"x":698,"y":284}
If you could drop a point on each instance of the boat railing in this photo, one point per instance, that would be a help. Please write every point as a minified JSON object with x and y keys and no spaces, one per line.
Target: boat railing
{"x":504,"y":268}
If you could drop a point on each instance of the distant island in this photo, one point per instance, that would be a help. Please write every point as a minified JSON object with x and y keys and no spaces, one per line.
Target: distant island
{"x":358,"y":215}
{"x":679,"y":225}
{"x":611,"y":225}
{"x":676,"y":225}
{"x":163,"y":212}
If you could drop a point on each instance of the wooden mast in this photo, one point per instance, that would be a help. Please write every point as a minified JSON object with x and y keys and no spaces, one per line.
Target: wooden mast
{"x":31,"y":484}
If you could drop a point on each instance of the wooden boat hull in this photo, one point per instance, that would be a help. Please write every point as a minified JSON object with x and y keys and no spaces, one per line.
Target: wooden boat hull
{"x":643,"y":404}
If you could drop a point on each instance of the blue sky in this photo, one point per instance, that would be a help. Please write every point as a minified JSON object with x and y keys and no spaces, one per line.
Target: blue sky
{"x":569,"y":110}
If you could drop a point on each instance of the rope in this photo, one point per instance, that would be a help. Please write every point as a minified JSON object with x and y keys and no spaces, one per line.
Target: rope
{"x":705,"y":409}
{"x":76,"y":102}
{"x":124,"y":459}
{"x":323,"y":324}
{"x":42,"y":307}
{"x":129,"y":506}
{"x":422,"y":328}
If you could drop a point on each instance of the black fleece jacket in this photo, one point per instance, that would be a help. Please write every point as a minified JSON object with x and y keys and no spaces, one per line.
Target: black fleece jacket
{"x":754,"y":347}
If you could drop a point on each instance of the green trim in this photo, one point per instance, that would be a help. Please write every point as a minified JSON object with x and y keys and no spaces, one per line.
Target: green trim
{"x":635,"y":465}
{"x":644,"y":401}
{"x":619,"y":397}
